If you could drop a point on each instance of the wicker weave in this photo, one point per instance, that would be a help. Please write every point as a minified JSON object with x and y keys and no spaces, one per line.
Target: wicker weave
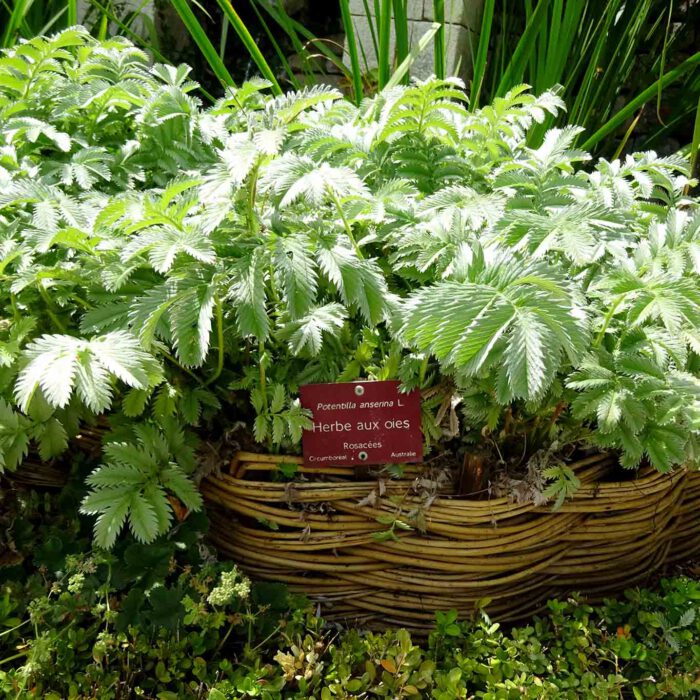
{"x":319,"y":538}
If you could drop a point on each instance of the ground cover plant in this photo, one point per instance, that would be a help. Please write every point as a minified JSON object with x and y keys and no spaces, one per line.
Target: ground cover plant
{"x":168,"y":621}
{"x":168,"y":269}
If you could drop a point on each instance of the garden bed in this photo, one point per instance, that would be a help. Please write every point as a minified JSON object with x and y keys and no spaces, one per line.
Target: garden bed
{"x":333,"y":536}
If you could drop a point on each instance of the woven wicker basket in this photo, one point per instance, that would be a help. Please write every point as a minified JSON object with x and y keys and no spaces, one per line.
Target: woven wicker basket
{"x":320,"y":537}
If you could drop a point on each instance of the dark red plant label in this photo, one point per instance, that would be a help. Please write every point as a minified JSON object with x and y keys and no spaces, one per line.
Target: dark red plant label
{"x":361,"y":423}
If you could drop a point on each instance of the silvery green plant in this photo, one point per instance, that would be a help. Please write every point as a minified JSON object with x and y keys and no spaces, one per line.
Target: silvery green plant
{"x":160,"y":260}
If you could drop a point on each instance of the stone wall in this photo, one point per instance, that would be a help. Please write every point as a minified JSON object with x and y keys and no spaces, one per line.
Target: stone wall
{"x":462,"y":23}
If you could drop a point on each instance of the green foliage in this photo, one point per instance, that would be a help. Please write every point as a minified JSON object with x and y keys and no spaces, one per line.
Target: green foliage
{"x":164,"y":263}
{"x":135,"y":481}
{"x":564,"y":483}
{"x":461,"y":324}
{"x":160,"y":621}
{"x":61,"y":365}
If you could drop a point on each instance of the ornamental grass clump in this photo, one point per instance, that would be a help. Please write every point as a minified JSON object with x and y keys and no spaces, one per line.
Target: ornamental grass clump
{"x":176,"y":269}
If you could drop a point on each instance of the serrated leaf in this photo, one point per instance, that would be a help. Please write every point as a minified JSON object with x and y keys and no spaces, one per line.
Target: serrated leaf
{"x":174,"y":479}
{"x":110,"y":522}
{"x":190,"y":320}
{"x":523,"y":310}
{"x":278,"y":429}
{"x":134,"y":402}
{"x":260,"y":428}
{"x":609,"y":410}
{"x":249,"y":296}
{"x":14,"y":438}
{"x":61,"y":364}
{"x":155,"y":495}
{"x":306,"y":334}
{"x":687,"y":618}
{"x":143,"y":521}
{"x":360,"y":282}
{"x":297,"y":268}
{"x":190,"y":407}
{"x":53,"y":439}
{"x":279,"y":397}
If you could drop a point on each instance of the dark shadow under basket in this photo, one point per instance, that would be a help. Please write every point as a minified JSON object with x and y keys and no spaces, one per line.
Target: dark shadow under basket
{"x":320,"y":536}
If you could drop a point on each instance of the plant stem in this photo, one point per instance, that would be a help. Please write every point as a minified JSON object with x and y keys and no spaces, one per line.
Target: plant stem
{"x":263,"y":378}
{"x":423,"y":368}
{"x":12,"y":629}
{"x":15,"y":311}
{"x":187,"y":371}
{"x":694,"y":146}
{"x":220,"y":340}
{"x":606,"y":322}
{"x":346,"y":223}
{"x":263,"y":390}
{"x":352,"y":50}
{"x":250,"y":202}
{"x":19,"y":655}
{"x":220,"y":645}
{"x":49,"y":308}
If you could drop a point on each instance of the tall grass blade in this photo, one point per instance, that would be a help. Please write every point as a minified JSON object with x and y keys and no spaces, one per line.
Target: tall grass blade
{"x":662,"y":63}
{"x":285,"y":22}
{"x":223,"y":38}
{"x":695,"y":144}
{"x":439,"y":41}
{"x":250,"y":45}
{"x":416,"y":50}
{"x":278,"y":49}
{"x":295,"y":29}
{"x":591,"y":56}
{"x":72,"y":16}
{"x":200,"y":38}
{"x":620,"y":51}
{"x":109,"y":16}
{"x":370,"y":24}
{"x":642,"y":98}
{"x":384,"y":62}
{"x":147,"y":22}
{"x":14,"y":21}
{"x":138,"y":12}
{"x":627,"y":136}
{"x":103,"y":28}
{"x":479,"y":63}
{"x":351,"y":42}
{"x":525,"y":50}
{"x":401,"y":32}
{"x":659,"y":135}
{"x":46,"y":28}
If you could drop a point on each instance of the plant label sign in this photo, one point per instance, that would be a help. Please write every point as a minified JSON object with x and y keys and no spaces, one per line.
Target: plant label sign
{"x":361,"y":423}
